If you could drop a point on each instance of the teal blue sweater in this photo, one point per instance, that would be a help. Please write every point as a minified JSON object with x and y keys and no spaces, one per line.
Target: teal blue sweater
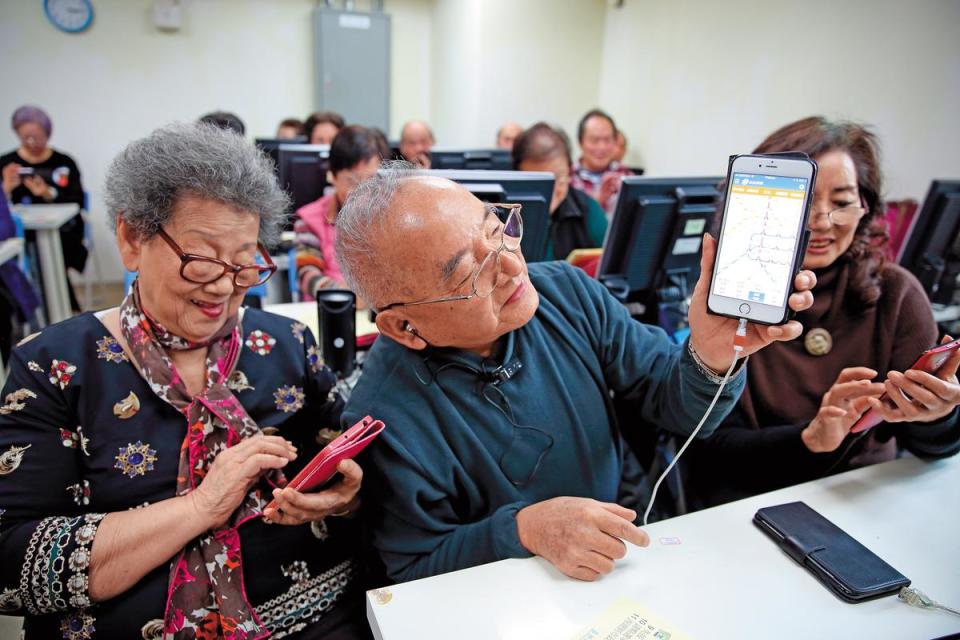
{"x":444,"y":481}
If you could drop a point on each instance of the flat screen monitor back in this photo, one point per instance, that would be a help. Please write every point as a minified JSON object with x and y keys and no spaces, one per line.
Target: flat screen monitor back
{"x":932,"y":249}
{"x":532,"y":189}
{"x":655,"y":238}
{"x":302,"y":171}
{"x":473,"y":159}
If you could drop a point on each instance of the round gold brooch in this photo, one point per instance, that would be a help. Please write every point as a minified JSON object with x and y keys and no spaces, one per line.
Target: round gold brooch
{"x":818,"y":342}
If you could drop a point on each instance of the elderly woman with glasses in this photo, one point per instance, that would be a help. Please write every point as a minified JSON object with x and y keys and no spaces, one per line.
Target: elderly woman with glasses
{"x":36,"y":173}
{"x":498,"y":380}
{"x":140,"y":445}
{"x":870,"y":322}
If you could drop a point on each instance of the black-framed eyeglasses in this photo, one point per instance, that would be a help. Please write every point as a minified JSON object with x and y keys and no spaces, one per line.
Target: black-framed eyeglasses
{"x":204,"y":270}
{"x":486,"y":276}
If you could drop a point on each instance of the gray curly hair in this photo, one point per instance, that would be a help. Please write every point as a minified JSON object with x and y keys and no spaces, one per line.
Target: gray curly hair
{"x":146,"y":179}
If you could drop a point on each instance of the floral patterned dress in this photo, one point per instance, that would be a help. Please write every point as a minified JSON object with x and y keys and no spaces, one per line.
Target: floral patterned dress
{"x":82,"y":435}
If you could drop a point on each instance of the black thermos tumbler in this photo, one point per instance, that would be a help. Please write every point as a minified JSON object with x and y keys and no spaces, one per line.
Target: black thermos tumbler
{"x":338,"y":329}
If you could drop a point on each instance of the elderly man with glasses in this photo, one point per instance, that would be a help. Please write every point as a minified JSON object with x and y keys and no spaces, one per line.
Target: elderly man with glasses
{"x":497,"y":378}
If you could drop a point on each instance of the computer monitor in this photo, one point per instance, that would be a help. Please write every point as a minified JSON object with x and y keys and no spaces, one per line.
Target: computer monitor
{"x":271,"y":146}
{"x":302,"y":171}
{"x":473,"y":159}
{"x":932,"y":249}
{"x":654,"y":238}
{"x":532,"y":189}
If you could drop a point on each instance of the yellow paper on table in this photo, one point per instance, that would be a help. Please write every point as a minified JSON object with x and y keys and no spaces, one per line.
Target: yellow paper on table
{"x":628,"y":620}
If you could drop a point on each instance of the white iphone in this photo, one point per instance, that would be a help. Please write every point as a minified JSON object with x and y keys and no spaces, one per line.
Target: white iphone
{"x":763,"y":236}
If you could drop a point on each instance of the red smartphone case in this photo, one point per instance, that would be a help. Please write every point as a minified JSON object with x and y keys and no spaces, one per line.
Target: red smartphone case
{"x":930,"y":361}
{"x":324,"y":465}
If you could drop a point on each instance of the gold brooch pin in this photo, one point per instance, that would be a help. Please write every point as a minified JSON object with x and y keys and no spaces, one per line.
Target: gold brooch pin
{"x":818,"y":342}
{"x":128,"y":407}
{"x":11,"y":459}
{"x":15,"y":401}
{"x":135,"y":459}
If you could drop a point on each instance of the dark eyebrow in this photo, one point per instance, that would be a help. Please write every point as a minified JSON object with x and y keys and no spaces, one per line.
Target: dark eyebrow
{"x":450,"y":266}
{"x":849,"y":187}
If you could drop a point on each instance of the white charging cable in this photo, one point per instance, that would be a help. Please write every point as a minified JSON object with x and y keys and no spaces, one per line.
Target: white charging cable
{"x":737,"y":350}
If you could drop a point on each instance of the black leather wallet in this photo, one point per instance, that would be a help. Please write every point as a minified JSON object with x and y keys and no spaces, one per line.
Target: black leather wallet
{"x":846,"y":567}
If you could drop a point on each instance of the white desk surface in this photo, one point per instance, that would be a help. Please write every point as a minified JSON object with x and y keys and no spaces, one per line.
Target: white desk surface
{"x":45,"y":216}
{"x":10,"y":248}
{"x":726,"y":579}
{"x":306,"y":312}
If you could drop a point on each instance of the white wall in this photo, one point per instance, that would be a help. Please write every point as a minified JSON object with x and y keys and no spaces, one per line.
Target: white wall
{"x":411,"y":53}
{"x":122,"y":78}
{"x":523,"y":60}
{"x":691,"y":82}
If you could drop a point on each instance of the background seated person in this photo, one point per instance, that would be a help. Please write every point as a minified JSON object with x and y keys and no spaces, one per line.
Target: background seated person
{"x":598,"y":173}
{"x":323,"y":127}
{"x":870,"y":321}
{"x":416,"y":140}
{"x":507,"y":134}
{"x":620,"y":147}
{"x":56,"y":180}
{"x":496,"y":377}
{"x":354,"y":157}
{"x":138,"y":446}
{"x":290,"y":129}
{"x":225,"y":120}
{"x":576,"y":220}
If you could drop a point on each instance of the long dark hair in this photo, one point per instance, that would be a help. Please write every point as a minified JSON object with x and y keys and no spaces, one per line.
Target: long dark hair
{"x":815,"y":136}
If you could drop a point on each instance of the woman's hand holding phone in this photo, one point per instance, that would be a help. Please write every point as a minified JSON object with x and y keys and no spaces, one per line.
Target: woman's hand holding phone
{"x":712,"y":335}
{"x":294,"y":507}
{"x":928,"y":397}
{"x":842,"y":405}
{"x":38,"y":187}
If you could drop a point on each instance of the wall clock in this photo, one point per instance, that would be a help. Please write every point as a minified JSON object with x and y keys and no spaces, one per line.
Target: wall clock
{"x":70,"y":16}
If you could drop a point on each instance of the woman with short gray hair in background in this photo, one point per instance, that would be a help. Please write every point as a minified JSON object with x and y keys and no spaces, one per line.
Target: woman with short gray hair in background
{"x":36,"y":173}
{"x":140,"y":445}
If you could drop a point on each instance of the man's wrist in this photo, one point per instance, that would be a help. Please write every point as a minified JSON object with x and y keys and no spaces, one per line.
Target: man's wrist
{"x":523,"y":537}
{"x":714,"y":375}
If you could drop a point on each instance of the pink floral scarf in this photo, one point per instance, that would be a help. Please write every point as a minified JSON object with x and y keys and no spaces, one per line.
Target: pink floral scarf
{"x":206,"y":597}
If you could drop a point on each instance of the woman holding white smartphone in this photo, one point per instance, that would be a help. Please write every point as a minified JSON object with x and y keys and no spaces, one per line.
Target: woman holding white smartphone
{"x":869,"y":322}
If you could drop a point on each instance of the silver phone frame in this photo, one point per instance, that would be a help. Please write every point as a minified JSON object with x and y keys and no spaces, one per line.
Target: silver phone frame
{"x":781,"y":167}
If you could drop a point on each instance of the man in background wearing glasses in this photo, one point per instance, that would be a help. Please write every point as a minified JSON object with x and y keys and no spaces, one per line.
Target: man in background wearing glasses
{"x":495,"y":380}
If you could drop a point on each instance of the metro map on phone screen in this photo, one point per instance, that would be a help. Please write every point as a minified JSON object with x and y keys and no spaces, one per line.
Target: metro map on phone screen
{"x":759,"y":236}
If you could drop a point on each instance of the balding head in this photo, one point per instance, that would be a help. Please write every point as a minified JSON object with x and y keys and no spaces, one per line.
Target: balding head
{"x":416,"y":140}
{"x":507,"y":134}
{"x":416,"y":129}
{"x":406,"y":237}
{"x":383,"y":227}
